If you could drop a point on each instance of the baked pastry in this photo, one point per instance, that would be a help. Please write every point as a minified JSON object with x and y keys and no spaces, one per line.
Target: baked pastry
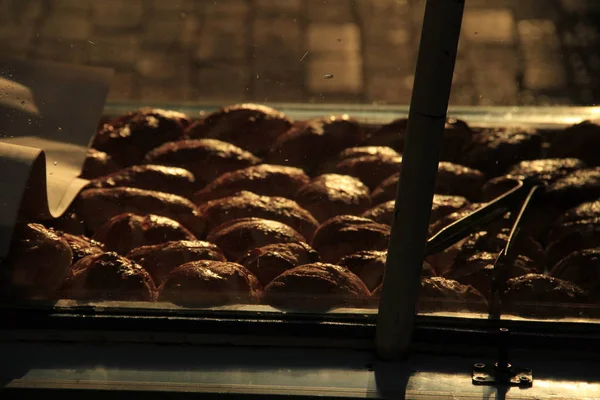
{"x":382,"y":213}
{"x":108,"y":276}
{"x":81,"y":246}
{"x":207,"y":159}
{"x":316,"y":286}
{"x":160,"y":259}
{"x":265,"y":179}
{"x":371,"y":170}
{"x":329,"y":195}
{"x":37,"y":263}
{"x":545,"y":171}
{"x":252,"y":127}
{"x":361,"y":151}
{"x":272,"y":260}
{"x":442,"y":294}
{"x":494,"y":150}
{"x":128,"y":138}
{"x":576,"y":219}
{"x":238,"y":236}
{"x":457,"y":137}
{"x":494,"y":240}
{"x":578,"y":187}
{"x":310,"y":143}
{"x":97,"y":163}
{"x":580,"y":140}
{"x":150,"y":177}
{"x":369,"y":266}
{"x":246,"y":204}
{"x":125,"y":232}
{"x":210,"y":283}
{"x":442,"y":205}
{"x":390,"y":135}
{"x":581,"y":268}
{"x":490,"y":241}
{"x":346,"y":234}
{"x":586,"y":237}
{"x":96,"y":206}
{"x":538,"y":295}
{"x":452,"y":179}
{"x":477,"y":270}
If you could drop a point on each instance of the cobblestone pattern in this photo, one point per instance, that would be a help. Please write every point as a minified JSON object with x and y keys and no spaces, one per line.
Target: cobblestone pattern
{"x":362,"y":51}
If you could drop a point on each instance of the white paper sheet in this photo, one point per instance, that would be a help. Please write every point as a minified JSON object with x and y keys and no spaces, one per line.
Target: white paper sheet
{"x":48,"y":116}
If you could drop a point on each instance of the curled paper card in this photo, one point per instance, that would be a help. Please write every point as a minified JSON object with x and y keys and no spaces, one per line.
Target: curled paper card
{"x":48,"y":116}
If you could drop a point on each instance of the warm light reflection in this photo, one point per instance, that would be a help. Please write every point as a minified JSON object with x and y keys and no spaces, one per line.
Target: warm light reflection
{"x":16,"y":96}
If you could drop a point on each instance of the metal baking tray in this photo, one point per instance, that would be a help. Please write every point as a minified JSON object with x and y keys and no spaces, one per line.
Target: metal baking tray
{"x":546,"y":118}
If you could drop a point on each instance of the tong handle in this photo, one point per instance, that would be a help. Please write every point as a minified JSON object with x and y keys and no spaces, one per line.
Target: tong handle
{"x":507,"y":256}
{"x":460,"y":229}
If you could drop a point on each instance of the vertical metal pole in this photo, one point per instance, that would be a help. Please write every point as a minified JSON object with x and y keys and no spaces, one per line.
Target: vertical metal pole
{"x":427,"y":117}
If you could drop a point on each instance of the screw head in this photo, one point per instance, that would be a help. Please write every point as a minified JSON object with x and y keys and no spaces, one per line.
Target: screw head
{"x":524,"y":379}
{"x":479,"y":365}
{"x":479,"y":378}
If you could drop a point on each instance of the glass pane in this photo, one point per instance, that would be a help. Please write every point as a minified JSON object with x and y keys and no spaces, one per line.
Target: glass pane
{"x":293,"y":113}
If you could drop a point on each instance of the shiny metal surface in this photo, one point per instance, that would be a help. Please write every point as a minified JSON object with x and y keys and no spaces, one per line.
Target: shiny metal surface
{"x":302,"y":372}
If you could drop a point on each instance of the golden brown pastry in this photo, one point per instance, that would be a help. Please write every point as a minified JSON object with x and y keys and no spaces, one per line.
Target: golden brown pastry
{"x":446,"y":295}
{"x":316,"y":286}
{"x":494,"y":240}
{"x":331,"y":194}
{"x":586,"y":237}
{"x":494,"y":150}
{"x":580,"y":141}
{"x":128,"y":138}
{"x":238,"y":236}
{"x":347,"y":234}
{"x":537,"y":295}
{"x":310,"y":143}
{"x":252,"y":127}
{"x":371,"y":170}
{"x":265,"y":179}
{"x":81,"y":246}
{"x":442,"y":205}
{"x":108,"y":276}
{"x":160,"y":259}
{"x":96,"y":206}
{"x":452,"y":179}
{"x":125,"y":232}
{"x":581,"y":268}
{"x":571,"y":190}
{"x":37,"y":263}
{"x":545,"y":171}
{"x":150,"y":177}
{"x":576,"y":219}
{"x":457,"y":137}
{"x":379,"y":151}
{"x":98,"y":163}
{"x":207,"y":159}
{"x":478,"y":270}
{"x":246,"y":204}
{"x":272,"y":260}
{"x":210,"y":283}
{"x":369,"y":266}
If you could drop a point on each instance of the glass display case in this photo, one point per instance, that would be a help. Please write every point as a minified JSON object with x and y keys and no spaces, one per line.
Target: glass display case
{"x":243,"y":187}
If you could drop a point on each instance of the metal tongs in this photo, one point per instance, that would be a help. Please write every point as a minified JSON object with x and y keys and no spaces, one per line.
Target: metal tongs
{"x":520,"y":196}
{"x":473,"y":222}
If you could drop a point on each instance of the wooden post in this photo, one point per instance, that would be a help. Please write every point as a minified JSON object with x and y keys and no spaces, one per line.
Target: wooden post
{"x":427,"y":117}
